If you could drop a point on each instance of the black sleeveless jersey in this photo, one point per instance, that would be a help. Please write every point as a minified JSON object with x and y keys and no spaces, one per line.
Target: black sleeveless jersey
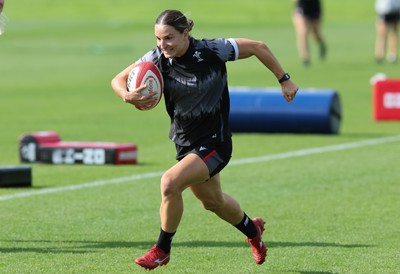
{"x":196,"y":90}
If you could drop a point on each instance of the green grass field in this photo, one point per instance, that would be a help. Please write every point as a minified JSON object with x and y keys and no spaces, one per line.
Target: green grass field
{"x":331,"y":211}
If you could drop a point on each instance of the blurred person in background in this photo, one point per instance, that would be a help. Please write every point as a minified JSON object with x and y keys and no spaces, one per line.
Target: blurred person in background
{"x":307,"y":18}
{"x":388,"y":12}
{"x":2,"y":17}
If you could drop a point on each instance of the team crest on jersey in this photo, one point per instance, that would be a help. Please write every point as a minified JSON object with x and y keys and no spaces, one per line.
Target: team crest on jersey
{"x":197,"y":55}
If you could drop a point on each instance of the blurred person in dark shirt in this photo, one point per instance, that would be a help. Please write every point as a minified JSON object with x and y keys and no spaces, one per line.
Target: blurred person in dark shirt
{"x":307,"y":19}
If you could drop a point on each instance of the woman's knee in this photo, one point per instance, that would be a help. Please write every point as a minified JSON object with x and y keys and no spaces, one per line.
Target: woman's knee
{"x":214,"y":204}
{"x":169,"y":185}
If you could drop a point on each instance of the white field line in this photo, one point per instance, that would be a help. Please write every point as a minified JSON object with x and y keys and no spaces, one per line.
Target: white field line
{"x":266,"y":158}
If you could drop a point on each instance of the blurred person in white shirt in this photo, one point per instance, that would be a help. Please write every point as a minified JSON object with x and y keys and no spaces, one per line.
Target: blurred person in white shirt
{"x":388,"y":12}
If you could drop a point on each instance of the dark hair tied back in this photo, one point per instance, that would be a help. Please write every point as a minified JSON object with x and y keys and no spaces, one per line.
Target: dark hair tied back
{"x":176,"y":19}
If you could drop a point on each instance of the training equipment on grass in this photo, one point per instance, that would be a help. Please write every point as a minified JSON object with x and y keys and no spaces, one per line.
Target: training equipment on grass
{"x":15,"y":176}
{"x":47,"y":147}
{"x":266,"y":110}
{"x":146,"y":73}
{"x":386,"y":99}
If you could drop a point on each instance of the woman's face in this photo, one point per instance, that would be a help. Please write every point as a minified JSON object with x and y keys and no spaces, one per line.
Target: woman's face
{"x":170,"y":41}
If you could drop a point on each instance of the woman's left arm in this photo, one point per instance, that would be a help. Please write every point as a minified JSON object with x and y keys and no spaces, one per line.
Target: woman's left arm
{"x":248,"y":48}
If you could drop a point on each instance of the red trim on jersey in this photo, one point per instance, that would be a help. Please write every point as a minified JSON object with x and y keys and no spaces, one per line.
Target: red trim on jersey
{"x":209,"y":155}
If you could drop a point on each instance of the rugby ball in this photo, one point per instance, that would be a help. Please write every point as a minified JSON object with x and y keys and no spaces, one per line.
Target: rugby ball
{"x":146,"y":73}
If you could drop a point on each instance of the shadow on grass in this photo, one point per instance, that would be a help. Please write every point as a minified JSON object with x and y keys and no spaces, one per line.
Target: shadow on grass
{"x":79,"y":247}
{"x":313,"y":272}
{"x":50,"y":250}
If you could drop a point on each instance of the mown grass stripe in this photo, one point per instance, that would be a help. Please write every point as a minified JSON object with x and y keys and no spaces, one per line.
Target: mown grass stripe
{"x":278,"y":156}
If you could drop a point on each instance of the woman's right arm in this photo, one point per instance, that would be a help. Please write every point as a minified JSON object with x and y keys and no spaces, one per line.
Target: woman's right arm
{"x":118,"y":83}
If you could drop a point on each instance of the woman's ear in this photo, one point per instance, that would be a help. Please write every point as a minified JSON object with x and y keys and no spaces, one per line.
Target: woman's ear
{"x":186,"y":33}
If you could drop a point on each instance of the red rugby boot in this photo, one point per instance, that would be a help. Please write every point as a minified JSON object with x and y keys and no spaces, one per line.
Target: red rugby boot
{"x":257,"y":245}
{"x":153,"y":258}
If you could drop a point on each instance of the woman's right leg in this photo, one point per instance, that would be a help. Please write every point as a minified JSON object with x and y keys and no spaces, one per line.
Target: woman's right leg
{"x":190,"y":170}
{"x":300,"y":25}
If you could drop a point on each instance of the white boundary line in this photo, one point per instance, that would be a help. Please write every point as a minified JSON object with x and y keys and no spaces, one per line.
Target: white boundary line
{"x":266,"y":158}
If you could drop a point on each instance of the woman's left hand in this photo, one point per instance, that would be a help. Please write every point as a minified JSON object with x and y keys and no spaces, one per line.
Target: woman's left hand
{"x":289,"y":90}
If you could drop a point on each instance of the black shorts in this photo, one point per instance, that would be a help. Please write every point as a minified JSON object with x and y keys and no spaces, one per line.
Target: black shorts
{"x":309,"y":9}
{"x":215,"y":156}
{"x":393,"y":17}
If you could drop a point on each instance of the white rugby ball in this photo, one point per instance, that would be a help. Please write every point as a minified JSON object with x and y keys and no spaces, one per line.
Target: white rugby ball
{"x":146,"y":73}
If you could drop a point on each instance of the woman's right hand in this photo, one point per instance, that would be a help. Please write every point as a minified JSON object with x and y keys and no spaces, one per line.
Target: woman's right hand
{"x":139,"y":100}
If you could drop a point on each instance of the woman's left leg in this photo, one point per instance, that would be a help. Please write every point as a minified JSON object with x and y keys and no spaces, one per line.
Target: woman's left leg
{"x":392,"y":42}
{"x":380,"y":43}
{"x":315,"y":26}
{"x":211,"y":196}
{"x":224,"y":206}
